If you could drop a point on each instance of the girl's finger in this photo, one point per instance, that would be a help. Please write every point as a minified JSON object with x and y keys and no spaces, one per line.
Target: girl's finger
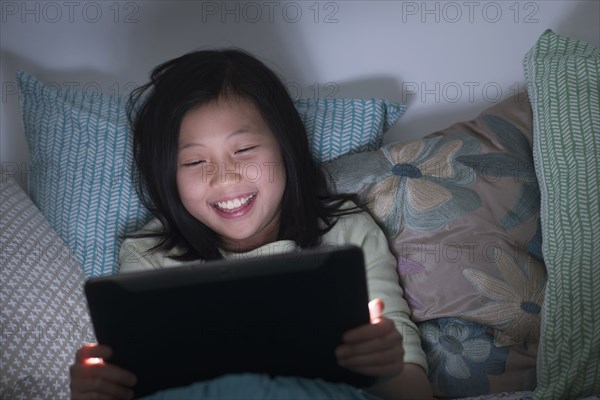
{"x":90,"y":396}
{"x":93,"y":350}
{"x":388,"y":356}
{"x":110,"y":373}
{"x":87,"y":390}
{"x":100,"y":387}
{"x":102,"y":378}
{"x":369,"y":332}
{"x":376,"y":307}
{"x":378,"y":345}
{"x":384,"y":371}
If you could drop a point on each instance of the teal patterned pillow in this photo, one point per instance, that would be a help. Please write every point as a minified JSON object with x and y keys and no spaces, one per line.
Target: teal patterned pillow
{"x":81,"y":156}
{"x":563,"y":79}
{"x":336,"y":127}
{"x":81,"y":153}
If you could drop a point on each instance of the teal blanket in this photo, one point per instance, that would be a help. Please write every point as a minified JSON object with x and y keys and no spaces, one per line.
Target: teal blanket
{"x":263,"y":387}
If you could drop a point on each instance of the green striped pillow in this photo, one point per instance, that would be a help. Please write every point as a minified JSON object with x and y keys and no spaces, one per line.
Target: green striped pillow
{"x":564,"y":86}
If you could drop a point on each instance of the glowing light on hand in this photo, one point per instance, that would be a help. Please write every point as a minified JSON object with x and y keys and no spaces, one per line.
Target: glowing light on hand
{"x":376,"y":310}
{"x":94,"y":361}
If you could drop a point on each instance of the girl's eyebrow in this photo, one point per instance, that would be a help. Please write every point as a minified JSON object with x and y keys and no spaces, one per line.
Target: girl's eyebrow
{"x":234,"y":133}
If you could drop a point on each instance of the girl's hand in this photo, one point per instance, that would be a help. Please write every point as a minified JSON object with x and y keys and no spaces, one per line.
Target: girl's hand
{"x":92,"y":378}
{"x":374,"y":349}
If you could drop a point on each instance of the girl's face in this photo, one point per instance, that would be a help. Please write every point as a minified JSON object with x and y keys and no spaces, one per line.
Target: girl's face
{"x":230,"y":172}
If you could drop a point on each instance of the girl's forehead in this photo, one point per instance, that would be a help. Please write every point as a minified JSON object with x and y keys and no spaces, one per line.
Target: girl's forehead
{"x":223,"y":116}
{"x":234,"y":104}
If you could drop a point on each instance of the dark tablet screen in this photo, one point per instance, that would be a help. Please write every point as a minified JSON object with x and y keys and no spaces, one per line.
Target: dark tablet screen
{"x":280,"y":315}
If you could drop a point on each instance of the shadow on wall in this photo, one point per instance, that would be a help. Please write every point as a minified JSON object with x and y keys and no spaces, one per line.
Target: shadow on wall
{"x":582,"y":23}
{"x":191,"y":25}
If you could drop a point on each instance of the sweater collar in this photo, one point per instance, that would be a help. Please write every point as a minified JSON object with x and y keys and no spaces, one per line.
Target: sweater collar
{"x":269,"y":249}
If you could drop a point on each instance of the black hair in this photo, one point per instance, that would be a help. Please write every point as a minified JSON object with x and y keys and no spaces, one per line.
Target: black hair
{"x":156,"y":110}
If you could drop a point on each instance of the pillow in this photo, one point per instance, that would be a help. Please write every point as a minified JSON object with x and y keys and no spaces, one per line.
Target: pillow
{"x":336,"y":127}
{"x":43,"y":318}
{"x":464,"y":360}
{"x":563,"y":78}
{"x":459,"y":208}
{"x":81,"y":153}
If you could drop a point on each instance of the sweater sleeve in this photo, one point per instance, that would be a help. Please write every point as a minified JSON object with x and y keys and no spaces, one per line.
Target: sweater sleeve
{"x":383,"y":281}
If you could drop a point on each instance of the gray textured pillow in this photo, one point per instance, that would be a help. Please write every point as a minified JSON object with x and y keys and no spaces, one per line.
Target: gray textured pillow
{"x":43,"y":313}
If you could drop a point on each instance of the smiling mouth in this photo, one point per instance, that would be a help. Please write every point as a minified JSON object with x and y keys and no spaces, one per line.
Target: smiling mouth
{"x":234,"y":204}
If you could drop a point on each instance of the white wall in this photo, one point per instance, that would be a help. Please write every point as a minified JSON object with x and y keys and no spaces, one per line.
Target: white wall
{"x":448,"y":60}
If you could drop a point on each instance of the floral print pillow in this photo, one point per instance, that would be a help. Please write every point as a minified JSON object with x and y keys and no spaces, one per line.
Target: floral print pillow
{"x":464,"y":360}
{"x":460,"y":208}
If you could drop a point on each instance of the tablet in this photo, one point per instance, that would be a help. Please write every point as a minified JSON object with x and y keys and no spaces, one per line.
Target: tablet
{"x":279,"y":315}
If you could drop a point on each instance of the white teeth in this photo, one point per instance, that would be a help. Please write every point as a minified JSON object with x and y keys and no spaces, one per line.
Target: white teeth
{"x":233,"y":204}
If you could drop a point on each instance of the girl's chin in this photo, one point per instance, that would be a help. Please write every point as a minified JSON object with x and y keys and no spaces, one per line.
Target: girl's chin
{"x":240,"y":245}
{"x":238,"y":238}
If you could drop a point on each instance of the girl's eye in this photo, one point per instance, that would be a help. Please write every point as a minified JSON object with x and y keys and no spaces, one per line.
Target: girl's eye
{"x":193,"y":163}
{"x":245,"y":149}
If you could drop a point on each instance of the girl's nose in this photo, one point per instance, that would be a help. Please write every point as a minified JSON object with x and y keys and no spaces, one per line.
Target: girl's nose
{"x":225,"y":173}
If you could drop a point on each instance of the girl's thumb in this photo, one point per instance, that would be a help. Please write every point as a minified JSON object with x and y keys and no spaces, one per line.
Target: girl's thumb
{"x":376,"y":309}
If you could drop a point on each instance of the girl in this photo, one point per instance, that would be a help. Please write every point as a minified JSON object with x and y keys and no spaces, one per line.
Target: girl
{"x":223,"y":162}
